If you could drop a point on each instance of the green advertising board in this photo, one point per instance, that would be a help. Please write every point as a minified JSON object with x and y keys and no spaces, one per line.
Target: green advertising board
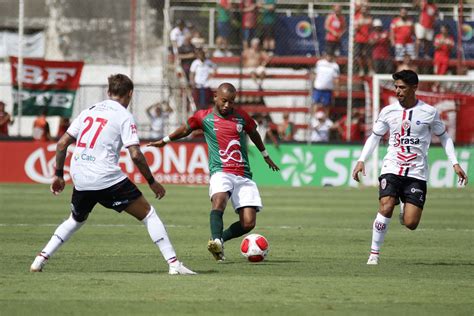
{"x":331,"y":165}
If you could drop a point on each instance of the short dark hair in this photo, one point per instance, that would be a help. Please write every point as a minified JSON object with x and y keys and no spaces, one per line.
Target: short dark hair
{"x":120,"y":85}
{"x":407,"y":76}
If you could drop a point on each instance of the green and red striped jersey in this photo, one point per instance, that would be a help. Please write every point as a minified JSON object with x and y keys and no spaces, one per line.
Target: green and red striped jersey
{"x":226,"y":140}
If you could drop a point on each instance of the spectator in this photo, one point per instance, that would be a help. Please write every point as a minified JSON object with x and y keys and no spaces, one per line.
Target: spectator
{"x":407,"y":64}
{"x":224,"y":19}
{"x":64,"y":124}
{"x":357,"y":127}
{"x":159,"y":119}
{"x":177,"y":35}
{"x":266,"y":128}
{"x":222,"y":49}
{"x":363,"y":23}
{"x":335,"y":26}
{"x":41,"y":130}
{"x":255,"y":60}
{"x":321,"y":127}
{"x":201,"y":71}
{"x":380,"y":46}
{"x":443,"y":44}
{"x":424,"y":29}
{"x":268,"y":25}
{"x":197,"y":40}
{"x":5,"y":120}
{"x":286,"y":129}
{"x":325,"y":82}
{"x":249,"y":11}
{"x":186,"y":55}
{"x":401,"y":35}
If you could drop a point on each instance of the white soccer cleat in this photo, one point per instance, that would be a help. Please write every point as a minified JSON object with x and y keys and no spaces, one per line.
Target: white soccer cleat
{"x":216,"y":248}
{"x":373,"y":260}
{"x":38,"y":263}
{"x":180,"y":269}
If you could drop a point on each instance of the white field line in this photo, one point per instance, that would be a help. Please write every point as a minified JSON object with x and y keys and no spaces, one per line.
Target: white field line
{"x":194,"y":226}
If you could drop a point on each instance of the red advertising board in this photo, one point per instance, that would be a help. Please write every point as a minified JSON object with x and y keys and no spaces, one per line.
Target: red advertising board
{"x":34,"y":162}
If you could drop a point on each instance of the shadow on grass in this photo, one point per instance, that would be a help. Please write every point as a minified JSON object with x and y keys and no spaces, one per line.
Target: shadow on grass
{"x":156,"y":271}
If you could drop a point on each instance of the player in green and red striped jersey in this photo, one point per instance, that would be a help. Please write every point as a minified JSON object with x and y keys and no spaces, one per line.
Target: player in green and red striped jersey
{"x":225,"y":129}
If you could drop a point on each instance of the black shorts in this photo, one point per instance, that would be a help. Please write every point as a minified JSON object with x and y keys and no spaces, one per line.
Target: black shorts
{"x":117,"y":197}
{"x":406,"y":189}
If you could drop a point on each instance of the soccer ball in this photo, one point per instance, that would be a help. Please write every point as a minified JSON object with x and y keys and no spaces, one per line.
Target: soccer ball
{"x":254,"y":247}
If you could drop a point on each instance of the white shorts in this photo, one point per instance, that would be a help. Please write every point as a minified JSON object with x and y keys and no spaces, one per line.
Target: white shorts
{"x":243,"y":191}
{"x":401,"y":50}
{"x":422,"y":32}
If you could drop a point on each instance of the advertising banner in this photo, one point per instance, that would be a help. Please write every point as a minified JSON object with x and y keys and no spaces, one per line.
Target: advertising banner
{"x":46,"y":84}
{"x":187,"y":163}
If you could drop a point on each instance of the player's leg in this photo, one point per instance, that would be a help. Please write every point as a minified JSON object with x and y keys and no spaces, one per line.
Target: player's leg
{"x":144,"y":212}
{"x":246,"y":201}
{"x":414,"y":196}
{"x":220,"y":185}
{"x":388,"y":198}
{"x":82,"y":203}
{"x":246,"y":222}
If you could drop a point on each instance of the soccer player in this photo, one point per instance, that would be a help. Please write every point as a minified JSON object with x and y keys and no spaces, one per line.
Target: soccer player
{"x":99,"y":133}
{"x":410,"y":122}
{"x":224,"y":129}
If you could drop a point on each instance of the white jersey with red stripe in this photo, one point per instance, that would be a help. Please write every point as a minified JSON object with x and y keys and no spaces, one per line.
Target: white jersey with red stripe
{"x":410,"y":137}
{"x":100,"y":132}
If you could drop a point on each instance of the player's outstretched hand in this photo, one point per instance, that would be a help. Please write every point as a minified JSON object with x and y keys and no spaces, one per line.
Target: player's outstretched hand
{"x":58,"y":185}
{"x":158,"y":189}
{"x":461,"y":174}
{"x":271,"y":164}
{"x":360,"y":167}
{"x":158,"y":143}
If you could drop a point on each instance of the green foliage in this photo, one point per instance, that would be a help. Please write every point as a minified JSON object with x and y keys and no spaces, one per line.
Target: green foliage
{"x":319,"y":241}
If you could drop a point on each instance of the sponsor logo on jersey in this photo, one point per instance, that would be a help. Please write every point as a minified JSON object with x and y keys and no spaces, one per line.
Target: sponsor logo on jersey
{"x":133,"y":127}
{"x":232,"y":152}
{"x":84,"y":157}
{"x":405,"y":140}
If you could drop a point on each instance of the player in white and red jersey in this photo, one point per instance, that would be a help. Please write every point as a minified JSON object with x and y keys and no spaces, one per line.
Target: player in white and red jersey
{"x":410,"y":123}
{"x":401,"y":35}
{"x":424,"y":28}
{"x":225,"y":129}
{"x":100,"y":132}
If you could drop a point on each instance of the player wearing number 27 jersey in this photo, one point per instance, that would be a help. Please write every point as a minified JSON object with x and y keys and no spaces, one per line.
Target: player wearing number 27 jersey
{"x":410,"y":122}
{"x":94,"y":164}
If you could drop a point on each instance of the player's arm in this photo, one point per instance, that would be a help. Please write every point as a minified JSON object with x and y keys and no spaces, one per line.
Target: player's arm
{"x":58,"y":184}
{"x":139,"y":160}
{"x":448,"y":145}
{"x":182,"y":131}
{"x":257,"y":140}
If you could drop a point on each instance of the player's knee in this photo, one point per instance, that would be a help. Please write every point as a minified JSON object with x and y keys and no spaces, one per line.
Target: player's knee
{"x":386,"y":209}
{"x":248,"y":225}
{"x":80,"y":217}
{"x":411,"y":225}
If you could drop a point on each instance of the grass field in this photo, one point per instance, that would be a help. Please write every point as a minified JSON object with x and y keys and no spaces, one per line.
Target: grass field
{"x":319,"y":241}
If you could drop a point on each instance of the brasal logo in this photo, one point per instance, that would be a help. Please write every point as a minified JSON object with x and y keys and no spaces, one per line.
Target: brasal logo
{"x":232,"y":152}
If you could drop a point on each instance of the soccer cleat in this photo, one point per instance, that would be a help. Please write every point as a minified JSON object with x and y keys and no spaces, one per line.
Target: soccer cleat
{"x":179,"y":268}
{"x":38,"y":263}
{"x":216,"y":248}
{"x":373,"y":259}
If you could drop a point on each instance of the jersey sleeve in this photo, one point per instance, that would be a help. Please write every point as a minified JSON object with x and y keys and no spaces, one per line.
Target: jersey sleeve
{"x":128,"y":132}
{"x":194,"y":65}
{"x":195,"y":121}
{"x":250,"y":124}
{"x":381,"y":125}
{"x":437,"y":126}
{"x":75,"y":127}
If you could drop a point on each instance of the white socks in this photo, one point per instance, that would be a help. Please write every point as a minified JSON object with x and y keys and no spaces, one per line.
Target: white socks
{"x":61,"y":235}
{"x":159,"y":236}
{"x":380,"y":227}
